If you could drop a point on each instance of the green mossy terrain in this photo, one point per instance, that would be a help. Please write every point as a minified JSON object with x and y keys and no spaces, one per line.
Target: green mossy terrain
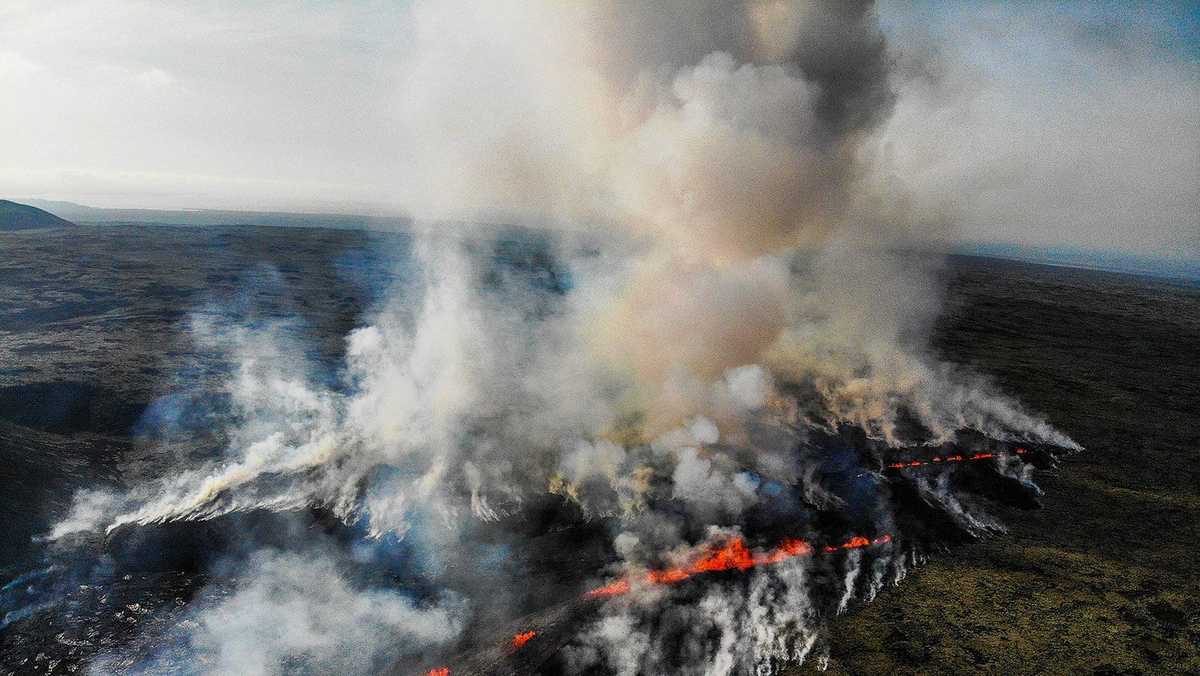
{"x":1102,"y":579}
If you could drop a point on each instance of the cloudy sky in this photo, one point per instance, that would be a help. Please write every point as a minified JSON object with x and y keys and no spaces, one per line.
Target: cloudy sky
{"x":1045,"y":125}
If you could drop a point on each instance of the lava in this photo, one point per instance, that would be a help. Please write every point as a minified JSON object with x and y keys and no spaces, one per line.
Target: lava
{"x":938,"y":459}
{"x":621,"y":586}
{"x":733,"y":555}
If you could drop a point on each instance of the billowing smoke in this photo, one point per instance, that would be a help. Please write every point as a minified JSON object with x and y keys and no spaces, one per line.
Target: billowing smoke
{"x":298,"y":610}
{"x":732,"y":314}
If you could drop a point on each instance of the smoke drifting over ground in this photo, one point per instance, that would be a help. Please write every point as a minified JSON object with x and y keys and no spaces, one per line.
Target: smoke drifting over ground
{"x":296,"y":609}
{"x":723,"y":341}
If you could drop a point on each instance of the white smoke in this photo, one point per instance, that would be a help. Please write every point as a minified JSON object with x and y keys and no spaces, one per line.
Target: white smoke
{"x":757,"y":627}
{"x":748,"y":279}
{"x":289,"y":612}
{"x":722,"y":167}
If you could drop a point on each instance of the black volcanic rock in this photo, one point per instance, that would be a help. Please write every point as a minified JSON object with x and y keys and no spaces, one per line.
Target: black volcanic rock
{"x":15,"y":216}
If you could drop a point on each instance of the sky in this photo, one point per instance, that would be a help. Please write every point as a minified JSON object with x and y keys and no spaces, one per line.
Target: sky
{"x":1036,"y":124}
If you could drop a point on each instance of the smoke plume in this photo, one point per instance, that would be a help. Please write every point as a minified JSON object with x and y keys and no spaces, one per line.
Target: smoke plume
{"x":732,"y":288}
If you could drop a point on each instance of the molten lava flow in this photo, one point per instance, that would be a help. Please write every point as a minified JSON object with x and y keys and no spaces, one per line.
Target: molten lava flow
{"x":734,"y":555}
{"x":621,"y":586}
{"x":938,"y":459}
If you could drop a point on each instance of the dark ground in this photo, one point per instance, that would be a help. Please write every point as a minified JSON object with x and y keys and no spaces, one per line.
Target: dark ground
{"x":1103,"y":579}
{"x":93,"y":330}
{"x":15,"y":216}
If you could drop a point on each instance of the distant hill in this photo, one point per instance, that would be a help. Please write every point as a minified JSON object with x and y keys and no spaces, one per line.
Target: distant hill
{"x":16,"y":216}
{"x":205,"y":217}
{"x":1184,"y":264}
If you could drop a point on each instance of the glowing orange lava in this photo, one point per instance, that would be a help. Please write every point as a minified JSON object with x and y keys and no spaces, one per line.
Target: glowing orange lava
{"x":616,"y":588}
{"x":937,"y":459}
{"x":734,"y":555}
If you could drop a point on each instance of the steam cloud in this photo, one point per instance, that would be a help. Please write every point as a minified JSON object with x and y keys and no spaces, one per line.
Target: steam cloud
{"x":735,"y":286}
